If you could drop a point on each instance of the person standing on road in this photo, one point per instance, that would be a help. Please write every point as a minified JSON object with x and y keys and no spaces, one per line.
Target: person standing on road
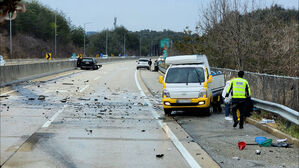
{"x":240,"y":91}
{"x":150,"y":64}
{"x":227,"y":102}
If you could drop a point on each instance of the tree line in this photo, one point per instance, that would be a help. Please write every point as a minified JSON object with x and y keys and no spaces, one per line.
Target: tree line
{"x":34,"y":34}
{"x":236,"y":35}
{"x":121,"y":41}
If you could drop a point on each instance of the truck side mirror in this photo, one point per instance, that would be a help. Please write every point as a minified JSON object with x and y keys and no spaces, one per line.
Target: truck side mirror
{"x":161,"y":79}
{"x":210,"y":79}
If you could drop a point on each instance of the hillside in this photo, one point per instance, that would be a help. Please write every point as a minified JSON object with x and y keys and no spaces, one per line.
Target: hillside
{"x":263,"y":40}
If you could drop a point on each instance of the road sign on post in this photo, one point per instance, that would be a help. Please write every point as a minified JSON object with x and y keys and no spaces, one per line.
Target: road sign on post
{"x":49,"y":56}
{"x":164,"y":44}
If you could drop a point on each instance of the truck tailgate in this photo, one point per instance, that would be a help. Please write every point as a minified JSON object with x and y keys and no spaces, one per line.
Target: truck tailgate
{"x":218,"y":84}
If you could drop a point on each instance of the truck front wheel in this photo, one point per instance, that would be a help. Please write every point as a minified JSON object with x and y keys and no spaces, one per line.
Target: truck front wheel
{"x":208,"y":111}
{"x":167,"y":111}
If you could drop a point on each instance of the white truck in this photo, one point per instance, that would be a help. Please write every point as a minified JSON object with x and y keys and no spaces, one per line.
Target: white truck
{"x":188,"y":83}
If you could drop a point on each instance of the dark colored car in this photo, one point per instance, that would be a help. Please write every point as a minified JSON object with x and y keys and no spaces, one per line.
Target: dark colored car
{"x":89,"y":63}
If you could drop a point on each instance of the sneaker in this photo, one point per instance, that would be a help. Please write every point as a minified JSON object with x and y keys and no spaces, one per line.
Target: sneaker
{"x":228,"y":118}
{"x":241,"y":127}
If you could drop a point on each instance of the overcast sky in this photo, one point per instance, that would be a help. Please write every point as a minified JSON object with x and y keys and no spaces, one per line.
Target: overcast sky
{"x":141,"y":14}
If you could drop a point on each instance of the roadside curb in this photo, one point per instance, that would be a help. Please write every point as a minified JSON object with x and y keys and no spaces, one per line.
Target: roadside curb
{"x":273,"y":131}
{"x":195,"y":150}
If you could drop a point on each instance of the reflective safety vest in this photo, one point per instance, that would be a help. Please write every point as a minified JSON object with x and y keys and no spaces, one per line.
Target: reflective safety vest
{"x":238,"y":86}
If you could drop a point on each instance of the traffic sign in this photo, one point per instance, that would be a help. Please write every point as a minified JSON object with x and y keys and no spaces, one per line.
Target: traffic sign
{"x":49,"y":56}
{"x":164,"y":43}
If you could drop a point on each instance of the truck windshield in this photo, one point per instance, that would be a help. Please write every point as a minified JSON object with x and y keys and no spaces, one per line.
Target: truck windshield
{"x":185,"y":75}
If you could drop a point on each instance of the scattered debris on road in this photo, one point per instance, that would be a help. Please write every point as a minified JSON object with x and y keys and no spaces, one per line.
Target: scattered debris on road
{"x":64,"y":100}
{"x":160,"y":155}
{"x":265,"y":121}
{"x":85,"y":99}
{"x":258,"y":152}
{"x":89,"y":131}
{"x":41,"y":97}
{"x":281,"y":144}
{"x":67,"y":84}
{"x":236,"y":158}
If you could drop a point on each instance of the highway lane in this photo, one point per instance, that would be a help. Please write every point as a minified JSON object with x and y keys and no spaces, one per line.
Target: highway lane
{"x":88,"y":119}
{"x":219,"y":138}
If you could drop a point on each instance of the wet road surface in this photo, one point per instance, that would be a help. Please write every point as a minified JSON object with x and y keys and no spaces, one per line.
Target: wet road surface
{"x":88,"y":119}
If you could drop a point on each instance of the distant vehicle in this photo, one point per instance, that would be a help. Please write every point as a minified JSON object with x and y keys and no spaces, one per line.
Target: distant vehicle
{"x":73,"y":58}
{"x":188,"y":83}
{"x":105,"y":57}
{"x":2,"y":62}
{"x":89,"y":63}
{"x":143,"y":63}
{"x":161,"y":58}
{"x":133,"y":56}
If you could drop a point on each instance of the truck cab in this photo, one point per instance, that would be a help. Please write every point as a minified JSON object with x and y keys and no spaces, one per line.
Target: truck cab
{"x":188,"y":83}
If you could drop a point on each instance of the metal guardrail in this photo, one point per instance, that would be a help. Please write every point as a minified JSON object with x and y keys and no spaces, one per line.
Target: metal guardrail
{"x":285,"y":112}
{"x":279,"y":109}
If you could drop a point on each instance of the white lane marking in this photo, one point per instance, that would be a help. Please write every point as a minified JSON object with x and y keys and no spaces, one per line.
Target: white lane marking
{"x":97,"y":78}
{"x":187,"y":156}
{"x":8,"y":92}
{"x":85,"y":87}
{"x":48,"y":123}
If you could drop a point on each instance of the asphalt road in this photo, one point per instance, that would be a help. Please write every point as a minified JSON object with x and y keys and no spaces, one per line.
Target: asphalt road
{"x":92,"y":119}
{"x":89,"y":119}
{"x":219,"y":139}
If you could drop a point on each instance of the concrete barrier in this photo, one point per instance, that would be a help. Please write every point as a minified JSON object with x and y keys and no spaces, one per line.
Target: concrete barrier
{"x":16,"y":73}
{"x":22,"y":71}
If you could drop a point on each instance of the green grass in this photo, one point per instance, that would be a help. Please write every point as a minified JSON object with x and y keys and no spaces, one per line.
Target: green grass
{"x":281,"y":124}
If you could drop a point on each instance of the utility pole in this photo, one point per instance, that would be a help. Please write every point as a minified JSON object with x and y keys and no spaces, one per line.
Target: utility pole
{"x":84,"y":41}
{"x":124,"y":45}
{"x":55,"y":33}
{"x":140,"y":44}
{"x":10,"y":35}
{"x":84,"y":36}
{"x":106,"y":42}
{"x":151,"y":47}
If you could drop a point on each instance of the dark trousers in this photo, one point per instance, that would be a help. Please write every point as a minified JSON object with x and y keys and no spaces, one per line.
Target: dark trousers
{"x":241,"y":105}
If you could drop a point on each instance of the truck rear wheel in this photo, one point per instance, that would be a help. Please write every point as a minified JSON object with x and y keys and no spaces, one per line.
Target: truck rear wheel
{"x":167,"y":111}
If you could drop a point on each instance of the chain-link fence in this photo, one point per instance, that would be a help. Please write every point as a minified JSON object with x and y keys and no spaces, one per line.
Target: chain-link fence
{"x":278,"y":89}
